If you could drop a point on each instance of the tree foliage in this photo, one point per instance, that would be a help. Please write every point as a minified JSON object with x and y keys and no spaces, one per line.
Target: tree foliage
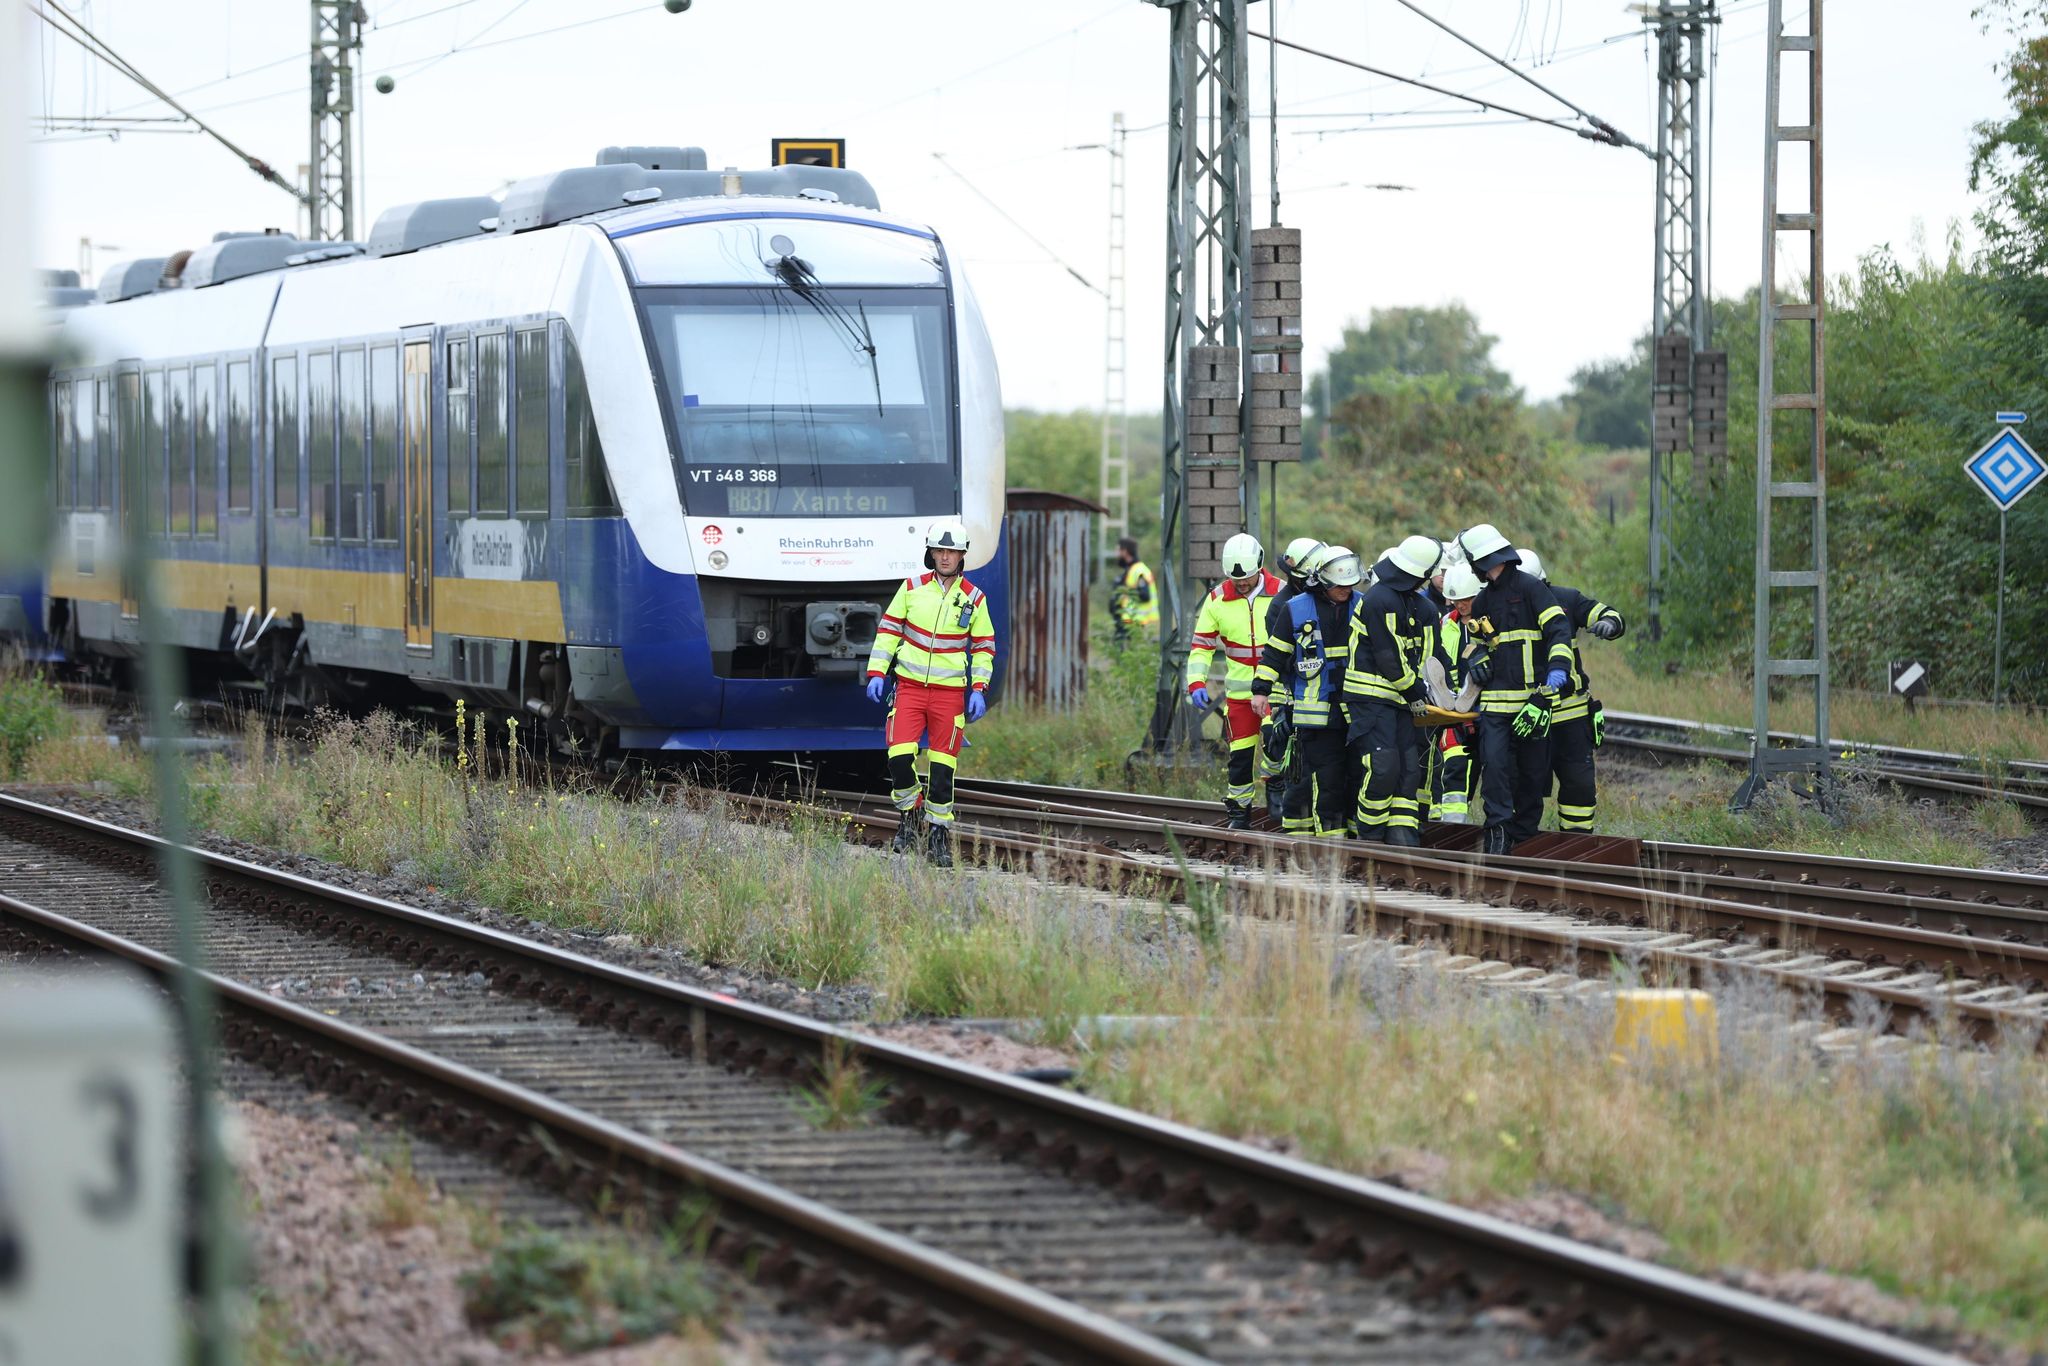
{"x":1610,"y":399}
{"x":1409,"y":342}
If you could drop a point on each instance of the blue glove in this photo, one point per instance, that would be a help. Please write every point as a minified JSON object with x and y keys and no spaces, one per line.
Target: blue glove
{"x":977,"y":707}
{"x":1556,"y":680}
{"x":1200,"y":696}
{"x":875,"y":687}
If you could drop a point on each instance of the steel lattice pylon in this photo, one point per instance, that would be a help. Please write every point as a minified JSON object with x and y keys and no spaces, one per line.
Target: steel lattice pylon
{"x":1804,"y":488}
{"x":1208,"y":239}
{"x":337,"y":39}
{"x":1116,"y":422}
{"x":1681,"y":311}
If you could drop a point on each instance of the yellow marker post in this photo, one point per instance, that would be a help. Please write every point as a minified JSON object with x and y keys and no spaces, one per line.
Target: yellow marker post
{"x":1665,"y":1025}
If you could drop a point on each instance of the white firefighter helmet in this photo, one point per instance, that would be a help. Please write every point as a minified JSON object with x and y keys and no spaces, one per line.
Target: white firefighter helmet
{"x":1417,"y":556}
{"x":1243,"y":556}
{"x":1485,"y":547}
{"x":1337,"y":567}
{"x":1460,"y":583}
{"x":948,"y":533}
{"x":1532,"y":563}
{"x":1299,"y":552}
{"x":1453,"y":553}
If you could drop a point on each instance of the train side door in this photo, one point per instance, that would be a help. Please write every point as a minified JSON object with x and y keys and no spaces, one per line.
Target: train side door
{"x":417,"y":457}
{"x":130,"y":478}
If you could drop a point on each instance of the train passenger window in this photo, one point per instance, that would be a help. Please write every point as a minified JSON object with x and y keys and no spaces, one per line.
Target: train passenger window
{"x":461,"y":436}
{"x":589,"y":483}
{"x":284,"y":435}
{"x":205,"y":455}
{"x":382,"y":508}
{"x":60,"y":435}
{"x":82,"y":435}
{"x":530,"y":439}
{"x":128,"y":466}
{"x":178,"y":407}
{"x":103,"y":483}
{"x":241,"y":454}
{"x":490,"y":425}
{"x":349,"y":405}
{"x":320,"y":443}
{"x":152,"y":467}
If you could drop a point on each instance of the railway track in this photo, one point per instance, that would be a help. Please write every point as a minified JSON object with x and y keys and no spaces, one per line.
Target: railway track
{"x":985,"y":1217}
{"x":1918,"y":959}
{"x":2023,"y":782}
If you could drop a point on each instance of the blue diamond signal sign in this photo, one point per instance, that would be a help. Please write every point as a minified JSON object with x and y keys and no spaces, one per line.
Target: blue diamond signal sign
{"x":2006,"y":469}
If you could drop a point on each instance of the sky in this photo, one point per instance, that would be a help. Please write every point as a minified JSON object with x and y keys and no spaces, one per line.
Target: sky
{"x":1545,"y":236}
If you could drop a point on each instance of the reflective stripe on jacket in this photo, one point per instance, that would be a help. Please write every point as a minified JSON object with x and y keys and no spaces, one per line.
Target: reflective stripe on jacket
{"x":1392,"y":630}
{"x":1303,"y":654}
{"x":1235,"y":624}
{"x":1134,"y":600}
{"x":937,"y":634}
{"x":1581,"y":611}
{"x":1529,"y":635}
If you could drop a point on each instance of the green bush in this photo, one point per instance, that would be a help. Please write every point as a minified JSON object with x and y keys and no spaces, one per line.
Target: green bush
{"x":31,"y":711}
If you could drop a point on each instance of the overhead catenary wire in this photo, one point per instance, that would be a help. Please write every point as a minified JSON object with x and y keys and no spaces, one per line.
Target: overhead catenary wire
{"x":1609,"y":136}
{"x":78,"y":33}
{"x":1006,"y":216}
{"x":1609,"y":131}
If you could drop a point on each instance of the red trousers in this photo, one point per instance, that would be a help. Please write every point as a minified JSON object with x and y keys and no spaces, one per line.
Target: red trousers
{"x":935,"y":714}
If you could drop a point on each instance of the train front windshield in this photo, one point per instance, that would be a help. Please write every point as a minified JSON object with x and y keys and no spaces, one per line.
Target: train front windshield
{"x":800,"y":397}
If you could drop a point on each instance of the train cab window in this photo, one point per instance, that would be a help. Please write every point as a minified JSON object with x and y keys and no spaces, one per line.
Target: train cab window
{"x":86,"y":458}
{"x":284,"y":435}
{"x":588,"y":484}
{"x":349,"y":406}
{"x":461,"y":436}
{"x":178,"y":406}
{"x":320,"y":443}
{"x":241,"y":454}
{"x":381,"y":509}
{"x":530,"y":435}
{"x":152,"y":467}
{"x":103,"y":482}
{"x":60,"y":434}
{"x":491,"y":435}
{"x":205,"y":455}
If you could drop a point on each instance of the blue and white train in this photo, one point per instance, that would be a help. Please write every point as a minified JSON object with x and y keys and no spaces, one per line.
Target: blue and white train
{"x":641,"y":451}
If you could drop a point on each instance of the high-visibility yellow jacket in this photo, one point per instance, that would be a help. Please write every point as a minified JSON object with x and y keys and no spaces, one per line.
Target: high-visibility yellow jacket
{"x":1135,"y":599}
{"x":936,"y":633}
{"x":1234,"y":623}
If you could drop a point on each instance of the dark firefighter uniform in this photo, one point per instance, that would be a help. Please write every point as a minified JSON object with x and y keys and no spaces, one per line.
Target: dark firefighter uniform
{"x":1287,"y":778}
{"x":1528,"y":646}
{"x":1576,"y":723}
{"x":1306,"y":655}
{"x":1392,"y":631}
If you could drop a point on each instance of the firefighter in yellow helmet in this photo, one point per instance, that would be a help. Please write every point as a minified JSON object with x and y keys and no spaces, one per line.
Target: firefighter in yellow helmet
{"x":1233,"y":622}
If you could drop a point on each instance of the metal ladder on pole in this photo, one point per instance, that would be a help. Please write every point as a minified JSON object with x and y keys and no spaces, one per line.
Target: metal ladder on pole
{"x":1806,"y":546}
{"x":1116,"y":422}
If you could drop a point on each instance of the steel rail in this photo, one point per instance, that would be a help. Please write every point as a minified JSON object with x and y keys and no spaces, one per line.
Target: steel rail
{"x":1987,"y":900}
{"x":1238,"y":1188}
{"x":1624,"y":895}
{"x":833,"y":1257}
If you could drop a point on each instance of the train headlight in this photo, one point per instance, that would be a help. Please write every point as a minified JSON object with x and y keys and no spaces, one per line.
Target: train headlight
{"x":719,"y":559}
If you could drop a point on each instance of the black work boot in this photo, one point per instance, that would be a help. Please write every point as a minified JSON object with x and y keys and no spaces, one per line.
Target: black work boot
{"x":938,"y":848}
{"x":1496,"y":839}
{"x":906,"y":832}
{"x":1237,"y":816}
{"x":1402,"y":836}
{"x":1370,"y":834}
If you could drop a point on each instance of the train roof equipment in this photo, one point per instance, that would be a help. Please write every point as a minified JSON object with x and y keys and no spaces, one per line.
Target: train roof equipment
{"x":130,"y":279}
{"x":428,"y":223}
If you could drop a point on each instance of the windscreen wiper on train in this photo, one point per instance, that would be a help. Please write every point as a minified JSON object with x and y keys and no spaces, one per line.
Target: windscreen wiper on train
{"x":795,"y":272}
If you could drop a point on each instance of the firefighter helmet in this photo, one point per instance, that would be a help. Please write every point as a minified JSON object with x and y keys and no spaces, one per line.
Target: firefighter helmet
{"x":1532,"y":563}
{"x":1243,"y":556}
{"x":1453,"y":554}
{"x":1485,"y":547}
{"x":1299,"y":552}
{"x":1417,"y":556}
{"x":1336,"y":567}
{"x":1460,"y":583}
{"x":948,"y":533}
